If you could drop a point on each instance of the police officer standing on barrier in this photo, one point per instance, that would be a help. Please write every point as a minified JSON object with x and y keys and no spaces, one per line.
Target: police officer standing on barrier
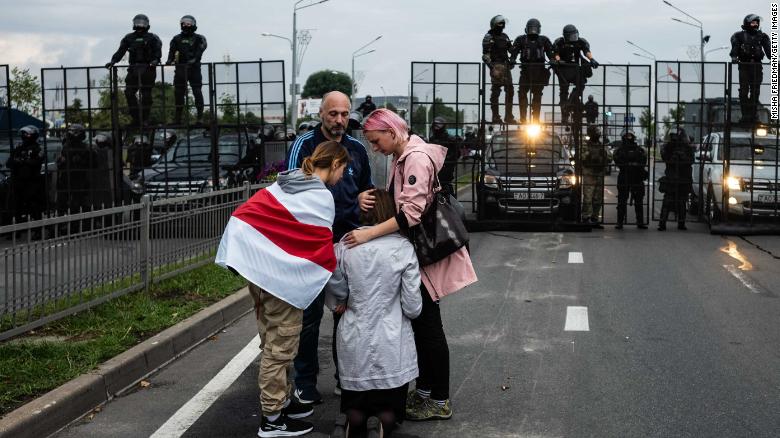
{"x":74,"y":167}
{"x":145,"y":53}
{"x":630,"y":159}
{"x":441,"y":137}
{"x":677,"y":181}
{"x":534,"y":75}
{"x":27,"y":185}
{"x":185,"y":51}
{"x":591,"y":110}
{"x":572,"y":70}
{"x":594,"y":162}
{"x":748,"y":48}
{"x":496,"y":47}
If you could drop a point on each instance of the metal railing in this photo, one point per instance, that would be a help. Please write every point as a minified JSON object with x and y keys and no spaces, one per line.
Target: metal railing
{"x":60,"y":265}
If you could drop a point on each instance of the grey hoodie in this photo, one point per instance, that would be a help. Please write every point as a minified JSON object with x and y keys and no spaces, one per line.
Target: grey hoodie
{"x":374,"y":340}
{"x":294,"y":181}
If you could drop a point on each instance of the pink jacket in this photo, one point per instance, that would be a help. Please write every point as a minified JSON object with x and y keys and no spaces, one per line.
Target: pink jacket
{"x":412,"y":178}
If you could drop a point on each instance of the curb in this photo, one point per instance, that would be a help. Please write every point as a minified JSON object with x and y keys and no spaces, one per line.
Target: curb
{"x":59,"y":407}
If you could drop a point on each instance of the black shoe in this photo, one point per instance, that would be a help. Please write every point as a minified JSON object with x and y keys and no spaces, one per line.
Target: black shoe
{"x":374,"y":428}
{"x":641,"y":226}
{"x":297,"y":410}
{"x":308,"y":396}
{"x":619,"y":226}
{"x":497,"y":120}
{"x":342,"y":428}
{"x":681,"y":226}
{"x":283,"y":426}
{"x":510,"y":120}
{"x":661,"y":226}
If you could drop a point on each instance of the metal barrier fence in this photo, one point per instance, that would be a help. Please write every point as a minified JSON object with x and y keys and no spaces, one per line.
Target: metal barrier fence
{"x":147,"y":131}
{"x":730,"y":176}
{"x":61,"y":265}
{"x":499,"y":176}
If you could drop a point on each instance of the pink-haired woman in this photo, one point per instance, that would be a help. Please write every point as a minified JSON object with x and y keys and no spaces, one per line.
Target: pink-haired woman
{"x":415,"y":166}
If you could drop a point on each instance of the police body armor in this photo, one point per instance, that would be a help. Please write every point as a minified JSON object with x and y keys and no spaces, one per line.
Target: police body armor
{"x":497,"y":46}
{"x":594,"y":157}
{"x":750,"y":46}
{"x":189,"y":48}
{"x":142,"y":48}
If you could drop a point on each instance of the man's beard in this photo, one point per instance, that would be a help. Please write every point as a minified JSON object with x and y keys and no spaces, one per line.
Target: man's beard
{"x":336,"y":131}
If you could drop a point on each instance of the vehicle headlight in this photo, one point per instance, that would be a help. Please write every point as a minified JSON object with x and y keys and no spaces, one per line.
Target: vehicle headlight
{"x":734,"y":183}
{"x":490,"y":181}
{"x":567,"y":181}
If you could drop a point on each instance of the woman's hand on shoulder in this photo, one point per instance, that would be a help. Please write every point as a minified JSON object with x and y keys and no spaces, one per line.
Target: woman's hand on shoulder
{"x":366,"y":200}
{"x":357,"y":237}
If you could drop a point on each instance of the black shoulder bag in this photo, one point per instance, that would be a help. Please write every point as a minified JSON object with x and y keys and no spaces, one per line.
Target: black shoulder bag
{"x":441,"y":230}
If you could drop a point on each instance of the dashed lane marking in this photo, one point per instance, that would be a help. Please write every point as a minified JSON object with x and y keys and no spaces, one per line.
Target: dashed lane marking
{"x":576,"y":319}
{"x":188,"y":414}
{"x":575,"y":257}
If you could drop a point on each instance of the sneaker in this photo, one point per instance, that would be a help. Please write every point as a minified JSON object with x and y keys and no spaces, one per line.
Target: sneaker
{"x":297,"y":409}
{"x":308,"y":396}
{"x":341,"y":430}
{"x":430,"y":410}
{"x":374,"y":428}
{"x":414,"y":400}
{"x":283,"y":426}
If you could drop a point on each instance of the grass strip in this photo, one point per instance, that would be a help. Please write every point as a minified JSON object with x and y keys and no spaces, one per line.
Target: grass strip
{"x":44,"y":359}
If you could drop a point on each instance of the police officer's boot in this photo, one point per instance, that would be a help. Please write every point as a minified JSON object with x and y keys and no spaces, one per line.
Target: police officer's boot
{"x":662,"y":218}
{"x":640,"y":215}
{"x":621,"y":217}
{"x":681,"y":219}
{"x":495,"y":117}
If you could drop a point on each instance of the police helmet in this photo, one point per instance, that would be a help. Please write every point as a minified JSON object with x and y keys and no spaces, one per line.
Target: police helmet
{"x":533,"y":27}
{"x":303,"y":127}
{"x":438,"y":122}
{"x":29,"y":134}
{"x":140,"y":140}
{"x":355,"y":120}
{"x":593,"y":131}
{"x":280,"y":133}
{"x":102,"y":141}
{"x":628,"y":135}
{"x":188,"y":23}
{"x":749,"y":19}
{"x":368,"y":97}
{"x":570,"y":33}
{"x":497,"y":21}
{"x":76,"y":132}
{"x":141,"y":22}
{"x":268,"y":132}
{"x":590,"y":97}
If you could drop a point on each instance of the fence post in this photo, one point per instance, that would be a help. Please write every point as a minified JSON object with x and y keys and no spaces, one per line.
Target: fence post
{"x":247,"y":190}
{"x":145,"y":243}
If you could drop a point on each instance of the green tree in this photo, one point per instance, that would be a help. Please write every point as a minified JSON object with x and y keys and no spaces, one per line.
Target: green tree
{"x":420,"y":119}
{"x":25,"y":91}
{"x":647,"y":122}
{"x":323,"y":81}
{"x":75,"y":113}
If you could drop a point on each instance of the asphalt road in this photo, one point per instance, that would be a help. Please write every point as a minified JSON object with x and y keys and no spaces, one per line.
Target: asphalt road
{"x":673,"y":334}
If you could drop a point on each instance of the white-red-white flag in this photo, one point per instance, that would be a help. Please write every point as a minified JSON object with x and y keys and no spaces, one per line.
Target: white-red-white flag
{"x":282,"y":242}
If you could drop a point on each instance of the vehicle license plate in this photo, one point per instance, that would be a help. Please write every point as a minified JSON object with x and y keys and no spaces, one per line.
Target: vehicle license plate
{"x":524,"y":195}
{"x":768,"y":199}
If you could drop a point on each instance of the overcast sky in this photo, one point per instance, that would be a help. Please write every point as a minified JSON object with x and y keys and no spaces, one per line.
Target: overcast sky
{"x":37,"y":33}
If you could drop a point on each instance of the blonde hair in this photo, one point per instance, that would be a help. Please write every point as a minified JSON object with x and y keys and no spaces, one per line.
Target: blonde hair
{"x":325,"y":154}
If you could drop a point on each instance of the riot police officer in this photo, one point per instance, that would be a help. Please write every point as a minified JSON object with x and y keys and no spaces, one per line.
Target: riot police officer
{"x":748,"y":48}
{"x":139,"y":155}
{"x":591,"y":110}
{"x":572,"y":69}
{"x":630,"y":159}
{"x":74,"y":167}
{"x":145,"y":52}
{"x":441,"y":137}
{"x":102,"y":180}
{"x":594,"y":162}
{"x":27,"y":188}
{"x":186,"y":50}
{"x":678,"y":156}
{"x":496,"y":47}
{"x":534,"y":75}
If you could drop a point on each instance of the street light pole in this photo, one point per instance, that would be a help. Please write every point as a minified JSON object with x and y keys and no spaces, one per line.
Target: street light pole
{"x":355,"y":54}
{"x":295,"y":63}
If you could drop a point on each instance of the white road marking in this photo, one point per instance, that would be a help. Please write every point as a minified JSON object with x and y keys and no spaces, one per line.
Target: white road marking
{"x":188,"y":414}
{"x":744,"y":279}
{"x":575,"y":257}
{"x":576,"y":319}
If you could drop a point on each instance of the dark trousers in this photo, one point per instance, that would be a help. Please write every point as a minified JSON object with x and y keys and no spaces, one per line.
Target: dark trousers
{"x":568,"y":76}
{"x":139,"y":78}
{"x":433,"y":353}
{"x":750,"y":77}
{"x":674,"y":201}
{"x":182,"y":76}
{"x":636,"y":191}
{"x":29,"y":198}
{"x":306,"y":363}
{"x":501,"y":77}
{"x":336,"y":319}
{"x":533,"y":79}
